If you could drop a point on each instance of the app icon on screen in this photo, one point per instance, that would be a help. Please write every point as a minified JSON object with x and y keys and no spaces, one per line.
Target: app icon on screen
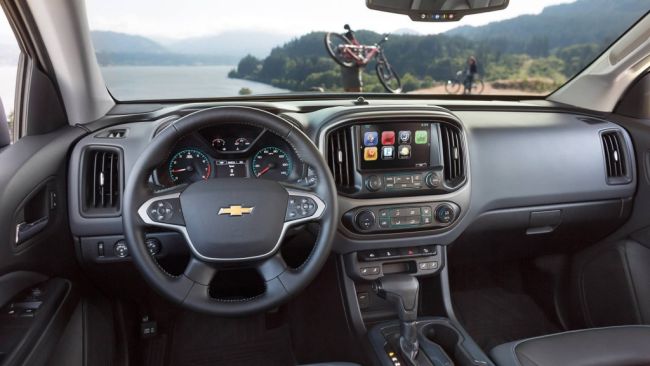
{"x":421,"y":137}
{"x":370,"y":138}
{"x":404,"y":151}
{"x":388,"y":153}
{"x":370,"y":153}
{"x":388,"y":138}
{"x":405,"y":137}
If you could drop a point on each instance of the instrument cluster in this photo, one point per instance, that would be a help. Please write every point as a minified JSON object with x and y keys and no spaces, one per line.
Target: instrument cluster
{"x":232,"y":151}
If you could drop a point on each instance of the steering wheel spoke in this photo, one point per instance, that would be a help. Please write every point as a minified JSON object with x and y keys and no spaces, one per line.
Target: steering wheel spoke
{"x":303,"y":206}
{"x":199,"y":271}
{"x":272,"y":267}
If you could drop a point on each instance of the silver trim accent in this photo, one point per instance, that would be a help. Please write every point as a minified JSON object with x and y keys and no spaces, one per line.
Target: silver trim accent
{"x":320,"y":208}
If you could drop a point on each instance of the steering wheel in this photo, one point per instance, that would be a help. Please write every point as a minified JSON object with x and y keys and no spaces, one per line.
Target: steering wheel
{"x":233,"y":222}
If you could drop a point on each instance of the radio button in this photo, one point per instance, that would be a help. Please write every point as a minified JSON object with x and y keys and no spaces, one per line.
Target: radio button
{"x":403,"y":179}
{"x":374,"y":183}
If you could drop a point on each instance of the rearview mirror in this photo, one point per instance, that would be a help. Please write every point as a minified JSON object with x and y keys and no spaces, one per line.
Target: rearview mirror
{"x":437,"y":10}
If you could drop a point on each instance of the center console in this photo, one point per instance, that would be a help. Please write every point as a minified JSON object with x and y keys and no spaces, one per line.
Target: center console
{"x":389,"y":157}
{"x":402,"y":178}
{"x":385,"y":158}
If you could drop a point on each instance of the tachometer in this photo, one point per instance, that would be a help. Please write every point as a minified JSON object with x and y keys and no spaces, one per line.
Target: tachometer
{"x":272,"y":163}
{"x":189,"y":165}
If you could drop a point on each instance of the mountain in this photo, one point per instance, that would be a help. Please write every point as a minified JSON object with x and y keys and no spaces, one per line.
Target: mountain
{"x":584,"y":21}
{"x":115,"y":48}
{"x":114,"y":42}
{"x":531,"y":52}
{"x":235,"y":44}
{"x":403,"y":31}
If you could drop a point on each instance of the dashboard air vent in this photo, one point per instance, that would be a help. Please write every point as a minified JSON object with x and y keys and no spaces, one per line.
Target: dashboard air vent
{"x":117,"y":133}
{"x":101,"y":182}
{"x":615,"y":159}
{"x":340,"y":157}
{"x":452,"y":147}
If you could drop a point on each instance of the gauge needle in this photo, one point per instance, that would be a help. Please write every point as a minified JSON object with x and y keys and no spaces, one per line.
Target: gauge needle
{"x":268,"y":167}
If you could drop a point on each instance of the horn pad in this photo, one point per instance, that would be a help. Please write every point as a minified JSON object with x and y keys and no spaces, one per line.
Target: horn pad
{"x":234,"y":218}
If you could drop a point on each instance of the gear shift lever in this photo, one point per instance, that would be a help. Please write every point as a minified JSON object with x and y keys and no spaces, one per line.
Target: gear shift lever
{"x":402,"y":291}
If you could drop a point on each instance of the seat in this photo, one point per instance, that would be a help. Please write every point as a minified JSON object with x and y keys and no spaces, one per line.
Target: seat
{"x":332,"y":364}
{"x":610,"y":346}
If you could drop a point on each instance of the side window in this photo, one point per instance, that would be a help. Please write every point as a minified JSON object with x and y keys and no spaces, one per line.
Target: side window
{"x":9,"y":53}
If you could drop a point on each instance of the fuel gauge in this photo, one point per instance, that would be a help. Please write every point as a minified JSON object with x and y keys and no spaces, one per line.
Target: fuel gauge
{"x":242,"y":143}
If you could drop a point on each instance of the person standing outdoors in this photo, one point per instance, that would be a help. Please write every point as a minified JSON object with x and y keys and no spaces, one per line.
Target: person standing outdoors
{"x":470,"y":74}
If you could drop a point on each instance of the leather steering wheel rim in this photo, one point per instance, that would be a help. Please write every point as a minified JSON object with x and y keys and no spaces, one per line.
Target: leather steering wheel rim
{"x":191,"y":289}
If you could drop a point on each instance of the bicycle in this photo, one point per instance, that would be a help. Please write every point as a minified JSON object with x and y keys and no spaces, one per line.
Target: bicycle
{"x":348,"y":52}
{"x":454,"y":86}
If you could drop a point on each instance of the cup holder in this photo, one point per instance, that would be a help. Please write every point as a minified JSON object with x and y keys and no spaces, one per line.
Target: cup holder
{"x":448,"y":339}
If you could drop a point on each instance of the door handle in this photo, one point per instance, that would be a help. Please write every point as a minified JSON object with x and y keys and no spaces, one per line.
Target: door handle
{"x":27,"y":230}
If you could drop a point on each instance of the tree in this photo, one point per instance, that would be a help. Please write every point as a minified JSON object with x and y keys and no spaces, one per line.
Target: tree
{"x":248,"y":66}
{"x":245,"y":91}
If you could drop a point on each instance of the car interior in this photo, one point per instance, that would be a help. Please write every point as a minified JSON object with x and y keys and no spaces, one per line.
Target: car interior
{"x":322,"y":228}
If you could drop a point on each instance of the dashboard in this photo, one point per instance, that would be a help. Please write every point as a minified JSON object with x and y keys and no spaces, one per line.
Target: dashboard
{"x":232,"y":151}
{"x":408,"y":174}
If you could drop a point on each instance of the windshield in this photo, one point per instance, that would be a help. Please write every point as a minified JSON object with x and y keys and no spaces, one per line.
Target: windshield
{"x":165,"y":49}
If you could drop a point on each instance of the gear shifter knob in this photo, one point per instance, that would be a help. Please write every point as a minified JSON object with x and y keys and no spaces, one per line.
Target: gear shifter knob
{"x":402,"y":291}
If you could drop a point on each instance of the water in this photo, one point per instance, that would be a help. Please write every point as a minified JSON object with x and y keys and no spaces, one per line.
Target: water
{"x":169,"y":82}
{"x":155,"y":82}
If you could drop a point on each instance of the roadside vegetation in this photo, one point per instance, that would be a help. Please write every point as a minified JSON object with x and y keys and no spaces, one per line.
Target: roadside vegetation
{"x":423,"y":62}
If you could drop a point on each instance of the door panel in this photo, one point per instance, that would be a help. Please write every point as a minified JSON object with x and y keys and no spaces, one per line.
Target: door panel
{"x":37,"y":257}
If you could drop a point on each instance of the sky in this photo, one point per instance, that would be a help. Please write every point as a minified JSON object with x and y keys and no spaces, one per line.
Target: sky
{"x":166,"y":19}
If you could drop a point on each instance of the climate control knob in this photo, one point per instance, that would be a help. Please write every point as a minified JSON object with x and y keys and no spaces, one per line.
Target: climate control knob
{"x":445,"y":213}
{"x":365,"y":220}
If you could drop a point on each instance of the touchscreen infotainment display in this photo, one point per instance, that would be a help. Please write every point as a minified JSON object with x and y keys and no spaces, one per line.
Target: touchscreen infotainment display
{"x":394,"y":145}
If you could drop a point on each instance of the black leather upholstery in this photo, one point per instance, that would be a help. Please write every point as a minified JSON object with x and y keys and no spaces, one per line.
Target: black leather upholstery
{"x":611,"y":346}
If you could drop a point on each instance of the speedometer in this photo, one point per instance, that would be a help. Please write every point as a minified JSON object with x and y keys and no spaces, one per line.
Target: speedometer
{"x":189,"y":165}
{"x":272,"y":163}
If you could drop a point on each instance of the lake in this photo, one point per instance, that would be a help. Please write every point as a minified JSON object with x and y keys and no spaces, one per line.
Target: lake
{"x":156,"y":82}
{"x":168,"y":82}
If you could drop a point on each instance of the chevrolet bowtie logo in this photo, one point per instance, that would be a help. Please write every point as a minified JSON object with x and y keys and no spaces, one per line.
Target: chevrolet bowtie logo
{"x":235,"y":210}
